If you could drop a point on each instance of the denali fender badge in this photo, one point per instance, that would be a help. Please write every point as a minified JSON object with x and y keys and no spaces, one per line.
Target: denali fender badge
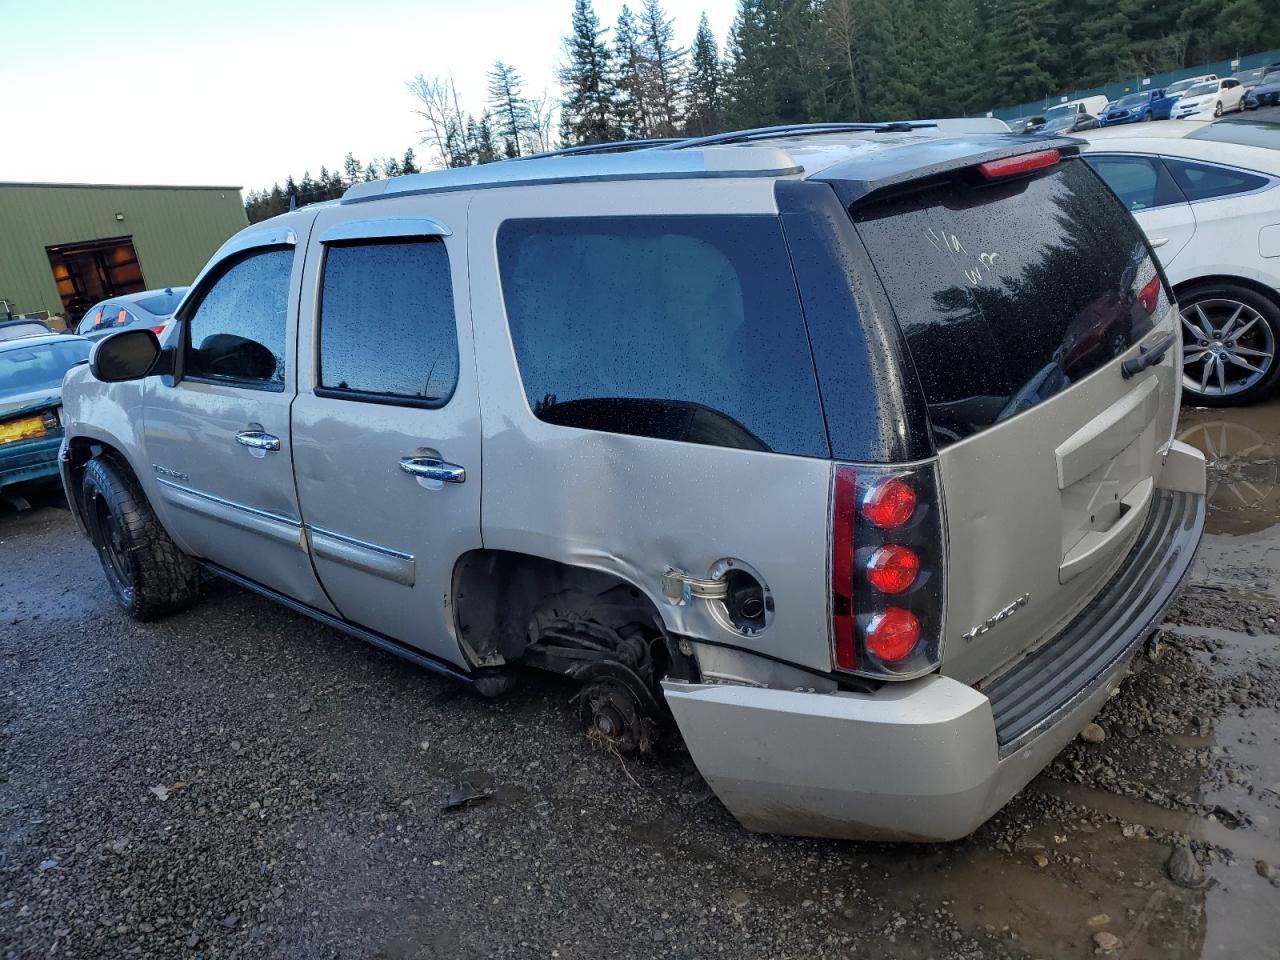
{"x":991,"y":621}
{"x":166,"y":472}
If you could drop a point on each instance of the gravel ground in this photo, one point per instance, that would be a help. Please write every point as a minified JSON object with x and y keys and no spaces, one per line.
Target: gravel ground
{"x":237,"y":781}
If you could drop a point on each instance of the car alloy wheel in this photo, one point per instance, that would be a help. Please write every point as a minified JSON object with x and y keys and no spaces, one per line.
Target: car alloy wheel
{"x":1227,"y":347}
{"x":1217,"y":109}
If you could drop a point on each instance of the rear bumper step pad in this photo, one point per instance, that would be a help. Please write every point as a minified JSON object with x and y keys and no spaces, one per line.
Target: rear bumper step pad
{"x":1030,"y":696}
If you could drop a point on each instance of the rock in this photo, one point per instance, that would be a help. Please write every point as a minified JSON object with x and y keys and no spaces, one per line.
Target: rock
{"x":1041,"y":860}
{"x":1183,"y":868}
{"x":738,"y":899}
{"x":1092,"y":733}
{"x":1266,"y":870}
{"x":1098,"y":920}
{"x":48,"y":864}
{"x":1106,"y":942}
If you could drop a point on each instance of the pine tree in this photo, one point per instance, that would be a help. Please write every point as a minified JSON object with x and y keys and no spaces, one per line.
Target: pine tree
{"x":587,"y":115}
{"x":663,"y":69}
{"x":390,"y":167}
{"x":410,"y":163}
{"x":630,"y":106}
{"x":1023,"y":57}
{"x":371,"y":172}
{"x":486,"y":150}
{"x":510,"y":109}
{"x":352,"y":169}
{"x":705,"y":107}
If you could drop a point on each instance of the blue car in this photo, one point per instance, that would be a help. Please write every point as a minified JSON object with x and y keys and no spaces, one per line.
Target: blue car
{"x":1138,"y":107}
{"x":31,"y":372}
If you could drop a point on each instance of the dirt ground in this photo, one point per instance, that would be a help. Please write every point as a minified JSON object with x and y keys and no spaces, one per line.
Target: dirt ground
{"x":237,"y":781}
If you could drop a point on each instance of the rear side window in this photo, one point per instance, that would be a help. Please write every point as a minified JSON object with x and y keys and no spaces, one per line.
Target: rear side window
{"x":1141,"y":183}
{"x":1008,"y":293}
{"x":237,"y":332}
{"x":387,"y":328}
{"x":679,"y":328}
{"x":1203,"y":181}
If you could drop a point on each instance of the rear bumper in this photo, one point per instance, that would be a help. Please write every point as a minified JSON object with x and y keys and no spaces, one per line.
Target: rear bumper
{"x":29,"y":460}
{"x":933,"y":758}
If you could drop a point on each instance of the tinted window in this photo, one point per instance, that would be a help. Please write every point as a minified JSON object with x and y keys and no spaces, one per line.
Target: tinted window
{"x":1200,"y":181}
{"x":40,"y":366}
{"x":1140,"y":182}
{"x":238,"y":330}
{"x":162,"y":304}
{"x":681,"y":328}
{"x":1008,"y":293}
{"x":386,"y":321}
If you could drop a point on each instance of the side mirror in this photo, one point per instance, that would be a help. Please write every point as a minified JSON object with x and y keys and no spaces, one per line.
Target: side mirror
{"x":128,"y":355}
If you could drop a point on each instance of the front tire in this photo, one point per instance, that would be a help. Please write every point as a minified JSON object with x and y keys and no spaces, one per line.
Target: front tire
{"x":149,"y":575}
{"x":1229,"y":344}
{"x":1146,"y":117}
{"x":1217,"y":109}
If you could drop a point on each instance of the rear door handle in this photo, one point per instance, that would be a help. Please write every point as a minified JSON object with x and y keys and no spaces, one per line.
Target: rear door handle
{"x":1147,"y":356}
{"x":433,"y":468}
{"x":257,"y":440}
{"x":1159,"y":241}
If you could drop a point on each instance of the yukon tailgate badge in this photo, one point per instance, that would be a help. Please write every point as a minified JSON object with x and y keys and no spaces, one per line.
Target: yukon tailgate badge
{"x":991,"y":621}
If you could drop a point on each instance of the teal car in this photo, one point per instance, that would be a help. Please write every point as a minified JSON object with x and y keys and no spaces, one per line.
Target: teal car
{"x":31,"y":372}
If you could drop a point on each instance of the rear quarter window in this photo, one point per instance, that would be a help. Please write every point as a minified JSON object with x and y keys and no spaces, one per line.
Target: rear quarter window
{"x":677,"y":328}
{"x":1008,"y":293}
{"x":1205,"y":181}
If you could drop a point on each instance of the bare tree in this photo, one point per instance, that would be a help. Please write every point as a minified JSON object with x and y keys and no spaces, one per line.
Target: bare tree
{"x":542,"y":119}
{"x":445,"y":130}
{"x":841,"y":20}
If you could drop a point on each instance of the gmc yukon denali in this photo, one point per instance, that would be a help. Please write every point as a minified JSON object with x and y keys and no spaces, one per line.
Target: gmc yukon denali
{"x":847,"y":451}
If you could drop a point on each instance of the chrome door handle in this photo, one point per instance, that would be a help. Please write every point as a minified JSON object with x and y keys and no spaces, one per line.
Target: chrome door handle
{"x":1159,"y":241}
{"x":257,"y":440}
{"x":431,"y":468}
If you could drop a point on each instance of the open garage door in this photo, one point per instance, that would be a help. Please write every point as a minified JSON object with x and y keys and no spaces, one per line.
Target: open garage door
{"x":94,"y":270}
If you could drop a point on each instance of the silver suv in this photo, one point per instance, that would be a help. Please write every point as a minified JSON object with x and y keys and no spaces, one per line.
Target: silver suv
{"x":849,"y":449}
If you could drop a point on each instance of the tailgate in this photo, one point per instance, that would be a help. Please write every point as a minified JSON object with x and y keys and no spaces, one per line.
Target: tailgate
{"x":1020,"y":301}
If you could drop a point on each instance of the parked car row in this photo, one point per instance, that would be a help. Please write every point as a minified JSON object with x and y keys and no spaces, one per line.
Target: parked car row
{"x":719,"y":429}
{"x":33,"y":360}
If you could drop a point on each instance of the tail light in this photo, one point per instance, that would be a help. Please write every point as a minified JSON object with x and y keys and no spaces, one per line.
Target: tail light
{"x":888,"y":571}
{"x":1015,"y":166}
{"x":1149,"y":296}
{"x":158,"y":330}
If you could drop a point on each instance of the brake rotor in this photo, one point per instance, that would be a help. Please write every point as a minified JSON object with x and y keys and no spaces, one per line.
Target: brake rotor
{"x":611,"y":712}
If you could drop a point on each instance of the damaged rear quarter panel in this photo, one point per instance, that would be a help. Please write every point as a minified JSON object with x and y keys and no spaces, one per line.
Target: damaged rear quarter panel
{"x":632,"y":506}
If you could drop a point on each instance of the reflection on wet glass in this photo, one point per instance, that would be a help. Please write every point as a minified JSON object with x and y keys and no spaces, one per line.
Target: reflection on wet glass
{"x":1009,"y":293}
{"x":238,"y":330}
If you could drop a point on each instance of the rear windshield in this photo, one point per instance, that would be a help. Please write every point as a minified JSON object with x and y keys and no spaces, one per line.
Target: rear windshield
{"x":162,"y":304}
{"x":40,"y":366}
{"x":12,"y":331}
{"x":1008,"y":293}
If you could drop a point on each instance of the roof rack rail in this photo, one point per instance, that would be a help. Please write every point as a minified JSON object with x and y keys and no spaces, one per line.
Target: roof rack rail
{"x":616,"y":146}
{"x":787,"y":130}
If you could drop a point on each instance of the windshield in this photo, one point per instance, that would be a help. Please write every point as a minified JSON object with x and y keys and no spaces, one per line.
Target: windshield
{"x":1131,"y":101}
{"x":1178,"y":87}
{"x":162,"y":304}
{"x":1202,"y":90}
{"x":12,"y":331}
{"x":1055,"y":113}
{"x":39,"y":366}
{"x":1060,"y":122}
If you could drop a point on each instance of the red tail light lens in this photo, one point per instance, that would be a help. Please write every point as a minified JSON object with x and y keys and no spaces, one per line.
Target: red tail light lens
{"x":890,"y":504}
{"x":888,"y":570}
{"x":1013,"y":166}
{"x":1149,"y":296}
{"x":893,"y":568}
{"x":893,"y":635}
{"x":158,"y":330}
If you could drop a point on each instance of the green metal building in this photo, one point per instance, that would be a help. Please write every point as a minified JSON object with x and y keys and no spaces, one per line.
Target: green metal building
{"x":65,"y":246}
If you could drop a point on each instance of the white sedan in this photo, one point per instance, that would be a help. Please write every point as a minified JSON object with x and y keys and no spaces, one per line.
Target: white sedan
{"x":1210,"y":98}
{"x":1207,"y":195}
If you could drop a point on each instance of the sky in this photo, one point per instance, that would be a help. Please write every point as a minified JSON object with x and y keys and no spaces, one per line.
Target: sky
{"x":245,"y":92}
